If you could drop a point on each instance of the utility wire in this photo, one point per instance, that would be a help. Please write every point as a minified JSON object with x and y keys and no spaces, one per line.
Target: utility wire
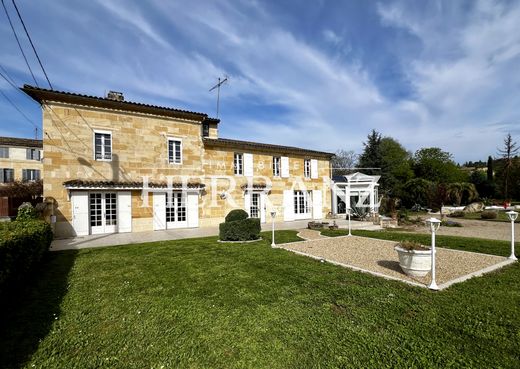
{"x":18,"y":109}
{"x":32,"y":45}
{"x":18,"y":42}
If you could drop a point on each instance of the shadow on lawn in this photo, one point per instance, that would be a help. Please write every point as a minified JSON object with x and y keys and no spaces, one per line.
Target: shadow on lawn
{"x":30,"y":312}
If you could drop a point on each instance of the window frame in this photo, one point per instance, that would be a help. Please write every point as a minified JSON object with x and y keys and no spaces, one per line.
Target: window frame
{"x":277,"y":166}
{"x":307,"y":168}
{"x":27,"y":171}
{"x":239,"y":171}
{"x":103,"y":132}
{"x":4,"y":171}
{"x":205,"y":130}
{"x":31,"y":150}
{"x":6,"y":150}
{"x":174,"y":157}
{"x":302,"y":200}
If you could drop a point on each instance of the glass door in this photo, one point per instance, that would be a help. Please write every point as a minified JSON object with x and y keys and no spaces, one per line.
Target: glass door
{"x":176,"y":216}
{"x":103,"y":212}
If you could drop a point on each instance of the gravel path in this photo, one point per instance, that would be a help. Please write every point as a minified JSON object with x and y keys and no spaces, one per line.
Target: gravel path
{"x":309,"y":234}
{"x":379,"y":256}
{"x":477,"y":229}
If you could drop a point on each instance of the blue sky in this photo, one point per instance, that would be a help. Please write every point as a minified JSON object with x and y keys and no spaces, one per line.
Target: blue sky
{"x":319,"y":75}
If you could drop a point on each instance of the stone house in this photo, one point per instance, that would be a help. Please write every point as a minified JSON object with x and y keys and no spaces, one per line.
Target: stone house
{"x":116,"y":166}
{"x":20,"y":160}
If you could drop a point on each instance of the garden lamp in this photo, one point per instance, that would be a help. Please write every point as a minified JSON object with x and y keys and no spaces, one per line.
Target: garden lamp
{"x":512,"y":217}
{"x":433,"y":224}
{"x":273,"y":215}
{"x":348,"y":214}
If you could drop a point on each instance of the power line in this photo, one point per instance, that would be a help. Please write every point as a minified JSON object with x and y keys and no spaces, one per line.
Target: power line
{"x":18,"y":42}
{"x":32,"y":45}
{"x":18,"y":109}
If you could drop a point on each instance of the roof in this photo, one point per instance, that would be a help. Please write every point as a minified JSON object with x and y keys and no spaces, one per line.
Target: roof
{"x":356,"y":177}
{"x":129,"y":185}
{"x":42,"y":95}
{"x":20,"y":142}
{"x":225,"y":142}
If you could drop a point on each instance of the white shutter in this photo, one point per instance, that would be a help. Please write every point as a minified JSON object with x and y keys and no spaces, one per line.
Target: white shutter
{"x":317,"y":204}
{"x":248,"y":165}
{"x":124,"y":211}
{"x":159,"y":211}
{"x":247,"y":203}
{"x":192,"y":203}
{"x":288,"y":205}
{"x":80,"y":212}
{"x":314,"y":168}
{"x":285,"y":166}
{"x":262,"y":207}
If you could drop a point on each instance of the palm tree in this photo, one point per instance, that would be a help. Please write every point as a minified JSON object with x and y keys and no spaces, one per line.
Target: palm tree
{"x":455,"y":191}
{"x":469,"y":192}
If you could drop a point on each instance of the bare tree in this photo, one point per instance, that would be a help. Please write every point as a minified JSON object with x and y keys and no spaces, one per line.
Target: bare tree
{"x":344,"y":162}
{"x":509,"y":151}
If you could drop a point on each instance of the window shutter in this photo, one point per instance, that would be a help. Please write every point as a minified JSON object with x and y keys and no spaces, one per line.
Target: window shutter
{"x":285,"y":166}
{"x":28,"y":154}
{"x":317,"y":204}
{"x":2,"y":179}
{"x":248,"y":165}
{"x":159,"y":210}
{"x":288,"y":205}
{"x":247,"y":203}
{"x":192,"y":203}
{"x":314,"y":168}
{"x":24,"y":174}
{"x":124,"y":211}
{"x":37,"y":175}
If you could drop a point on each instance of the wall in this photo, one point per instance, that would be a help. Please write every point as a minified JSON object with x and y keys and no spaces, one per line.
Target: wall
{"x":17,"y":160}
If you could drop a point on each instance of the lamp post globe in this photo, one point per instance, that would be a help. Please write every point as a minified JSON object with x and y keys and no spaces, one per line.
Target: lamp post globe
{"x":434,"y":225}
{"x":512,"y":215}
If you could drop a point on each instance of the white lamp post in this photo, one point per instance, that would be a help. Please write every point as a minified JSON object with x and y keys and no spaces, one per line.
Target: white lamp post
{"x":273,"y":214}
{"x":434,"y":225}
{"x":512,"y":217}
{"x":348,"y":214}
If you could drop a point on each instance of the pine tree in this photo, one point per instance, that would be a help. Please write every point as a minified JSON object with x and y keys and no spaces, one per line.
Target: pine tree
{"x":508,"y":152}
{"x":371,"y":156}
{"x":490,"y":169}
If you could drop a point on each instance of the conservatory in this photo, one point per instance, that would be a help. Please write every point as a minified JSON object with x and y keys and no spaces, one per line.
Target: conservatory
{"x":356,"y":191}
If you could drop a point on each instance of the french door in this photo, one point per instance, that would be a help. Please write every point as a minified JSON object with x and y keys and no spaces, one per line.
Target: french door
{"x":176,"y":216}
{"x":103,"y":212}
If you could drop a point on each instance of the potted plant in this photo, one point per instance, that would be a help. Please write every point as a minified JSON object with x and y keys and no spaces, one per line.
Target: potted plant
{"x":414,"y":258}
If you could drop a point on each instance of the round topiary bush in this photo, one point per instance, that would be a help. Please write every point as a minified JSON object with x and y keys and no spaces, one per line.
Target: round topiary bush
{"x":237,"y":214}
{"x":488,"y":214}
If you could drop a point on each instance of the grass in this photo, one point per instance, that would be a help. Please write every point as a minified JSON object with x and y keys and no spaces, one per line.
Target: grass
{"x":485,"y":246}
{"x":197,"y":303}
{"x":501,"y":217}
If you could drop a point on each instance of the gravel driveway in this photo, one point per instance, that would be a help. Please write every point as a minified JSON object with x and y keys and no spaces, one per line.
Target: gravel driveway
{"x":379,"y":257}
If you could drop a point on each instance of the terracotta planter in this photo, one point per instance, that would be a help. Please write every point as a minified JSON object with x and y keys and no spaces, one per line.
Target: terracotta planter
{"x":415,"y":263}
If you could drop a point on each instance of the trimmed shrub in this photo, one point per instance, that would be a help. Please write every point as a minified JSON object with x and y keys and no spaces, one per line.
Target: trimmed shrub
{"x":457,"y":214}
{"x":237,"y":214}
{"x":22,"y":245}
{"x":450,"y":223}
{"x":240,"y":230}
{"x":488,"y":214}
{"x":26,"y":212}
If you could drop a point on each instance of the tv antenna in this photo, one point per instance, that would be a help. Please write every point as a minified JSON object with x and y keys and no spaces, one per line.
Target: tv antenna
{"x":221,"y":81}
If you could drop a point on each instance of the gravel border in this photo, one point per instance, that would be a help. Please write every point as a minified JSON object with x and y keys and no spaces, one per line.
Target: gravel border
{"x":378,"y":257}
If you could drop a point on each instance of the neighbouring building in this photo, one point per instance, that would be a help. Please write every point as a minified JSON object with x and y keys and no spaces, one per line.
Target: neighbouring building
{"x":20,"y":160}
{"x":117,"y":166}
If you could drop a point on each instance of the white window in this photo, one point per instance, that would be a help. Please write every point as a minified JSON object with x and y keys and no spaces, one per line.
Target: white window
{"x":239,"y":164}
{"x":102,"y":145}
{"x":302,"y":202}
{"x":30,"y":174}
{"x":254,"y":208}
{"x":6,"y":175}
{"x":4,"y":152}
{"x":307,"y":168}
{"x":174,"y":151}
{"x":276,"y":166}
{"x":32,"y":154}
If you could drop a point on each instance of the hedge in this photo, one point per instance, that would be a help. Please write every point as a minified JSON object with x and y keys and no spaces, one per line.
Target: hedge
{"x":22,"y":245}
{"x":240,"y":230}
{"x":237,"y":214}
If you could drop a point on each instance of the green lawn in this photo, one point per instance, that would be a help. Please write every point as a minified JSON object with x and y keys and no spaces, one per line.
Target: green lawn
{"x":493,"y":247}
{"x":197,"y":303}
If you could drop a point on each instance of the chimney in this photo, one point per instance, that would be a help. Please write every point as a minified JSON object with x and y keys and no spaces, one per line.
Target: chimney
{"x":114,"y":95}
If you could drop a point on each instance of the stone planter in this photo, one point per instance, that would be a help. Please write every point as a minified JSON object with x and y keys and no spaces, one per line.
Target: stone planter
{"x":415,"y":263}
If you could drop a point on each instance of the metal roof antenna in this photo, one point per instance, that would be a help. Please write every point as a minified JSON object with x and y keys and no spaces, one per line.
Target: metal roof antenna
{"x":221,"y":81}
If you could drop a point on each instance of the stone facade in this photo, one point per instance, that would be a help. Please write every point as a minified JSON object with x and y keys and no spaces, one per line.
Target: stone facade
{"x":140,"y":149}
{"x":17,"y":160}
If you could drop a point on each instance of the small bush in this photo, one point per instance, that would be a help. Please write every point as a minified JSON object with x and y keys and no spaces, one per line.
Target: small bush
{"x":450,"y":223}
{"x":240,"y":230}
{"x":412,"y":245}
{"x":22,"y":245}
{"x":237,"y":214}
{"x":488,"y":214}
{"x":457,"y":214}
{"x":26,"y":212}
